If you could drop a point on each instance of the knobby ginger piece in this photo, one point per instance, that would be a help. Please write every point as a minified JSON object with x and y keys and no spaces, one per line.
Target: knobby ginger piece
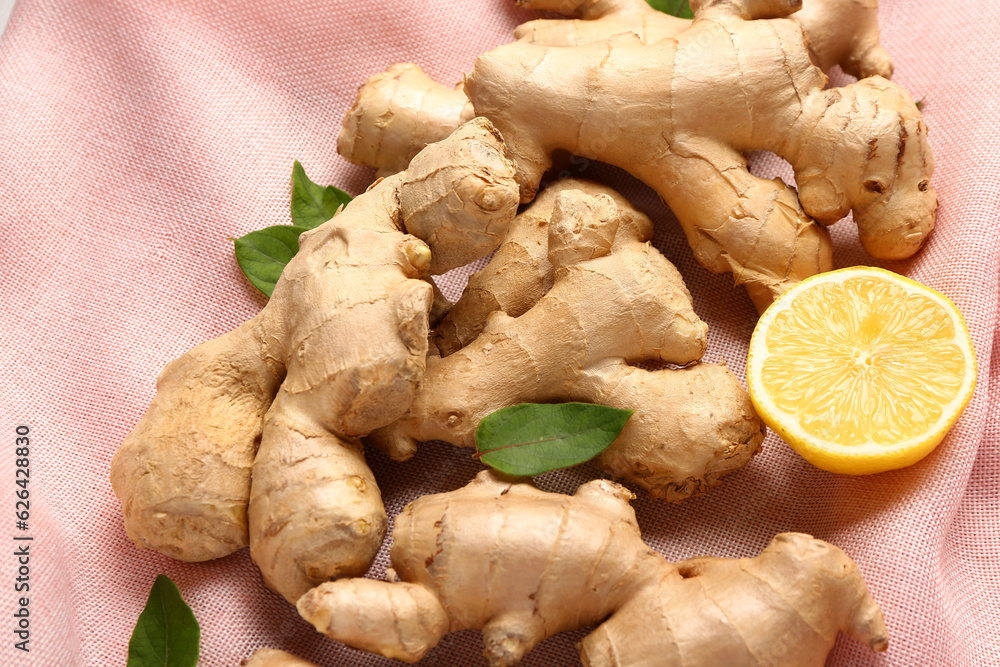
{"x":841,"y":32}
{"x":861,"y":148}
{"x":396,"y":114}
{"x":272,"y":657}
{"x":401,"y":110}
{"x":615,"y":301}
{"x":641,"y":106}
{"x":337,"y":351}
{"x":521,"y":565}
{"x":519,"y":272}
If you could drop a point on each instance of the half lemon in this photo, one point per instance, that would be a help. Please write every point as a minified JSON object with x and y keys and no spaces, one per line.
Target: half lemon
{"x":861,"y":370}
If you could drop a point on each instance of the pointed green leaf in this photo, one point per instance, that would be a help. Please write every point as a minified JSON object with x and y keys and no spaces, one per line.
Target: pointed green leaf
{"x":263,"y":254}
{"x":679,"y":8}
{"x":313,"y":204}
{"x":531,"y":438}
{"x":166,"y":634}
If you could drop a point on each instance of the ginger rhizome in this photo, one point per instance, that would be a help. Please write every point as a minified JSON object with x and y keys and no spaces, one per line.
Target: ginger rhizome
{"x":841,"y":32}
{"x":521,"y":565}
{"x":615,"y":301}
{"x":519,"y":273}
{"x":402,"y":110}
{"x":272,"y":657}
{"x":860,"y":148}
{"x":414,"y":110}
{"x":336,"y":352}
{"x":639,"y":106}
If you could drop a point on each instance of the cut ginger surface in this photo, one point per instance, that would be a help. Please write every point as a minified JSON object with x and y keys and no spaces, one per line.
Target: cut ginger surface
{"x":861,"y":370}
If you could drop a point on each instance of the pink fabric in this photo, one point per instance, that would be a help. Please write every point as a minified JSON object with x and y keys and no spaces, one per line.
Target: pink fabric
{"x":136,"y":138}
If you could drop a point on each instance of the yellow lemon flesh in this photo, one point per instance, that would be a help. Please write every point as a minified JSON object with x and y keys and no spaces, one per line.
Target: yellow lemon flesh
{"x":861,"y":370}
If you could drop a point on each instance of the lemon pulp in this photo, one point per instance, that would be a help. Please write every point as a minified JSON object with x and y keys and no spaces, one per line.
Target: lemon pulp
{"x":861,"y":370}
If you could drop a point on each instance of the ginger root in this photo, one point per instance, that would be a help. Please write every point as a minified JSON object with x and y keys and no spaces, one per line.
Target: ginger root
{"x":615,"y":301}
{"x":272,"y":657}
{"x":519,"y":273}
{"x":640,"y":106}
{"x":521,"y":565}
{"x":841,"y":32}
{"x":340,"y":348}
{"x":412,"y":111}
{"x":402,"y":110}
{"x":860,"y":148}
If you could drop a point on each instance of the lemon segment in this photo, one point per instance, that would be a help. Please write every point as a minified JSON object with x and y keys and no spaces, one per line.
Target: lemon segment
{"x":861,"y":370}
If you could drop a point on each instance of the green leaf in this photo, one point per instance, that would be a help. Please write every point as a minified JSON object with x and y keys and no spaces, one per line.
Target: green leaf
{"x":262,"y":255}
{"x":530,"y":438}
{"x":313,"y":204}
{"x":166,"y":634}
{"x":679,"y":8}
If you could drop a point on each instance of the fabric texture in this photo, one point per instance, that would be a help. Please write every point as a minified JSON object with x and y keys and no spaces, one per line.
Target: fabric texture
{"x":137,"y":137}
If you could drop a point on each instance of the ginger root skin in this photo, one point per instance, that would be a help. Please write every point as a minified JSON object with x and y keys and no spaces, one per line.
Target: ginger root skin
{"x":765,"y":94}
{"x":841,"y":32}
{"x":691,"y":426}
{"x":272,"y":657}
{"x":596,"y":21}
{"x":183,"y":473}
{"x":519,"y":273}
{"x":521,"y":565}
{"x":340,"y":348}
{"x":761,"y":79}
{"x":360,"y":345}
{"x":396,"y":114}
{"x":845,"y":33}
{"x":401,"y":110}
{"x":615,"y":301}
